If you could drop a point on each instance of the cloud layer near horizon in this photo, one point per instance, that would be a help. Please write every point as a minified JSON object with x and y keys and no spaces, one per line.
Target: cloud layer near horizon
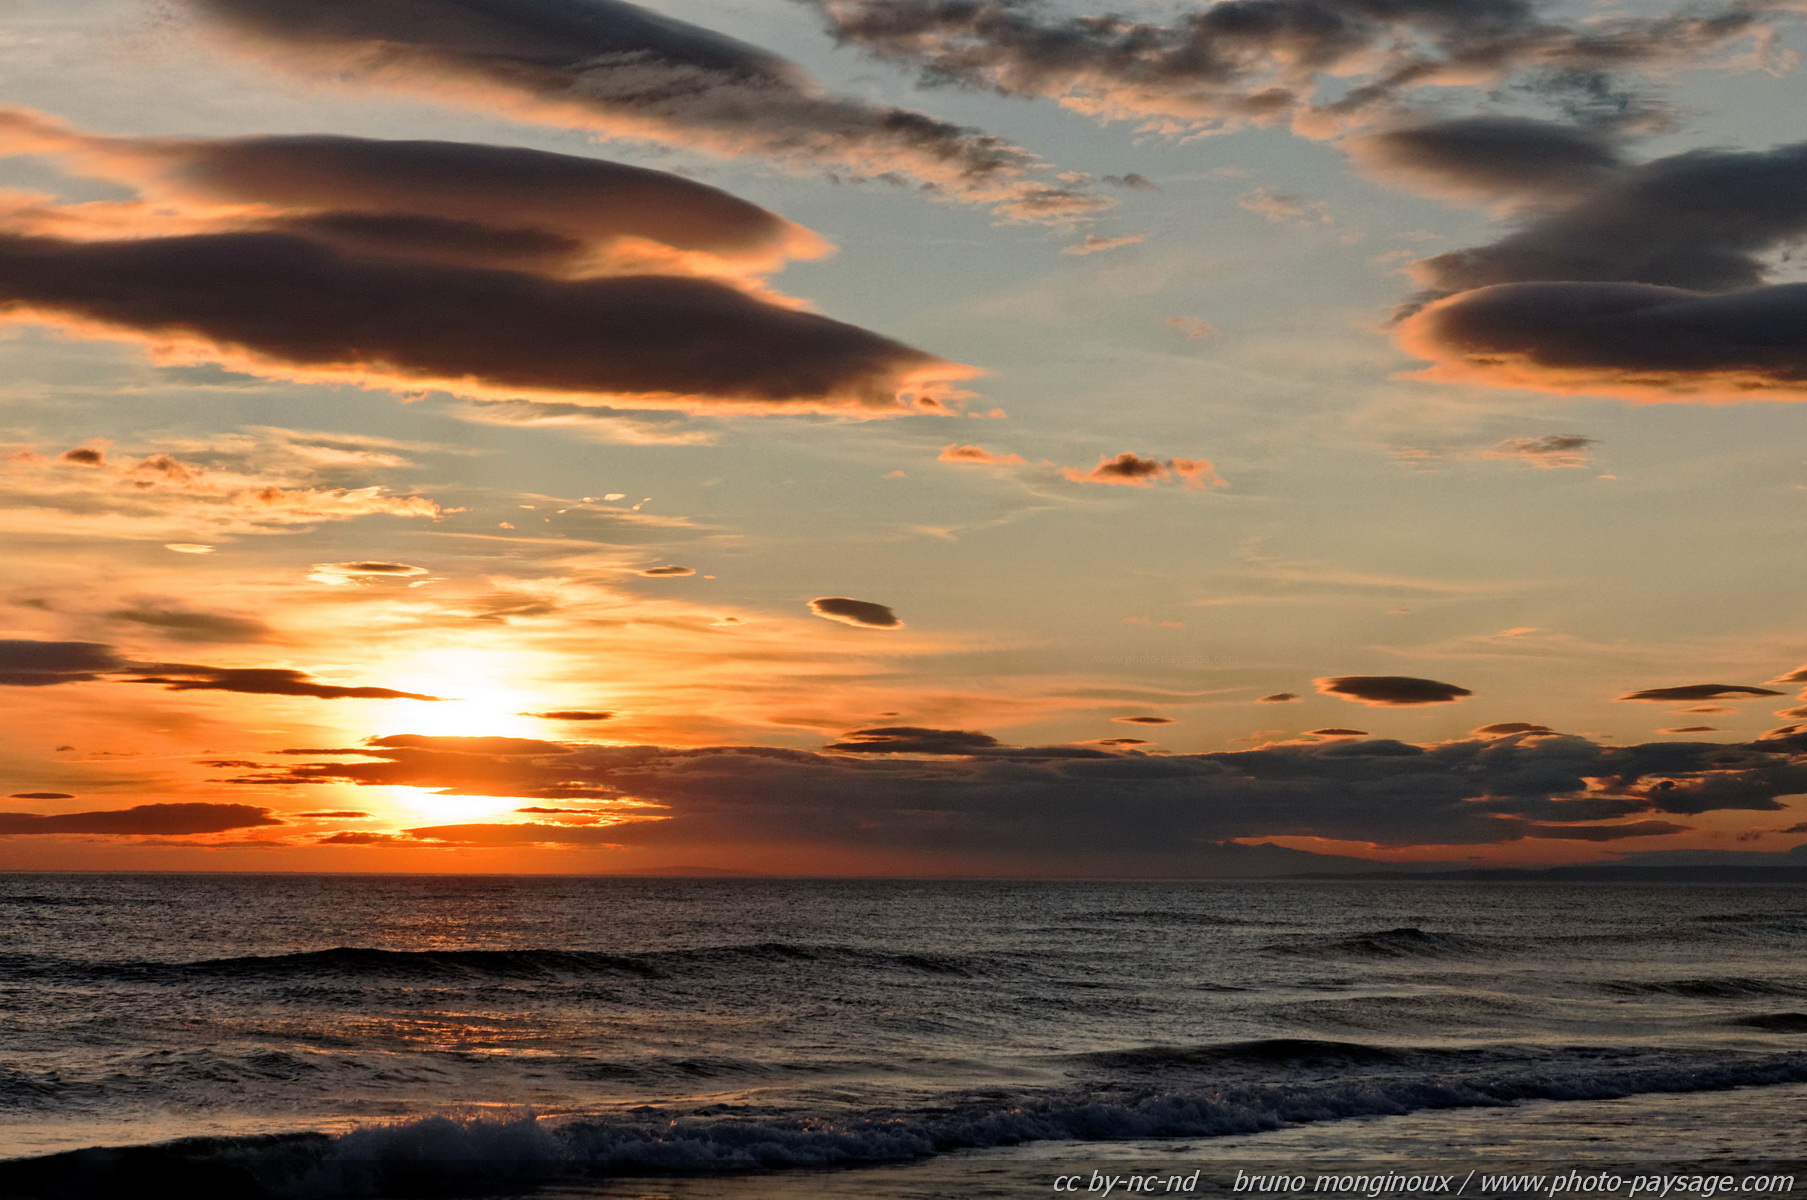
{"x":874,"y":789}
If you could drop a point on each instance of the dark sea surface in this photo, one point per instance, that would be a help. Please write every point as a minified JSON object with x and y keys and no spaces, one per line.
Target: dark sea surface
{"x":704,"y":1038}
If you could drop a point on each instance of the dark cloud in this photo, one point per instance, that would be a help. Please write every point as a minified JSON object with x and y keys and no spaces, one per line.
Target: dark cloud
{"x":961,"y":791}
{"x":1691,"y":729}
{"x":1508,"y":728}
{"x":1703,"y":221}
{"x":370,"y":568}
{"x":1650,"y":287}
{"x":1144,"y":720}
{"x":266,"y":681}
{"x":657,"y":572}
{"x":1279,"y":698}
{"x":1634,"y":341}
{"x":1121,"y":742}
{"x":453,"y":202}
{"x":1798,"y":675}
{"x":1697,"y":691}
{"x":83,"y":456}
{"x":1337,"y":732}
{"x":624,"y":71}
{"x":572,"y":714}
{"x":909,"y":739}
{"x":1321,"y":64}
{"x":277,"y":304}
{"x":41,"y":664}
{"x":1389,"y":691}
{"x":1491,"y":158}
{"x":182,"y":625}
{"x":341,"y":813}
{"x":847,"y":611}
{"x":147,"y":819}
{"x":41,"y":796}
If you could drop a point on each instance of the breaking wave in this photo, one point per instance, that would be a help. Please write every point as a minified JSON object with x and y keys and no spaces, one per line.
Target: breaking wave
{"x":441,"y":1156}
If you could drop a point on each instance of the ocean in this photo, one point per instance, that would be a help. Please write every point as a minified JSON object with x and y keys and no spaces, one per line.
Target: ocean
{"x":259,"y":1036}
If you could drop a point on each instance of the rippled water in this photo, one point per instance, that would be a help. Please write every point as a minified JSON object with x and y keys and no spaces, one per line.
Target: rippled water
{"x":768,"y":1025}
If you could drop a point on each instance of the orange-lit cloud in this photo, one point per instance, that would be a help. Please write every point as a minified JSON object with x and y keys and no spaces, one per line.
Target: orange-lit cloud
{"x":1135,"y":471}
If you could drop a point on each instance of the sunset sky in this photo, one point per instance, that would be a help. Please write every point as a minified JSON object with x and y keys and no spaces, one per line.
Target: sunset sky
{"x":900,"y":436}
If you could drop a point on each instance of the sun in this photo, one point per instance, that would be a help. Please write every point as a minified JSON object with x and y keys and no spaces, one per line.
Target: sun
{"x":485,"y":695}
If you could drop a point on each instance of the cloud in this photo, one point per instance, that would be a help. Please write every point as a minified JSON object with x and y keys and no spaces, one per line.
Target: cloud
{"x":41,"y":796}
{"x":457,"y":203}
{"x":1093,"y":243}
{"x":1337,"y":732}
{"x":1389,"y":691}
{"x":340,"y":574}
{"x":1690,"y":729}
{"x":1697,"y":691}
{"x":1550,"y":451}
{"x":625,"y":72}
{"x":238,"y":486}
{"x":82,"y":456}
{"x":291,"y":307}
{"x":1321,"y":65}
{"x":862,"y":613}
{"x":1283,"y":207}
{"x":954,"y":792}
{"x":1279,"y":698}
{"x":342,"y":813}
{"x":908,"y":739}
{"x":1508,"y":728}
{"x":978,"y":455}
{"x":1135,"y":471}
{"x":660,"y":572}
{"x":1652,"y":286}
{"x":572,"y":714}
{"x":184,"y":625}
{"x":1628,"y":340}
{"x":1191,"y":328}
{"x":1144,"y":720}
{"x":263,"y":681}
{"x":1496,"y":160}
{"x":1798,"y":675}
{"x":27,"y":663}
{"x":145,"y":819}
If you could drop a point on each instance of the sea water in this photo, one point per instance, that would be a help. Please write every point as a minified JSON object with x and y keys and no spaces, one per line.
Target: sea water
{"x":751,"y":1038}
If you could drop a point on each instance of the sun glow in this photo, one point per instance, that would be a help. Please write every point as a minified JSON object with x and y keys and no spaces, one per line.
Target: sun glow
{"x":444,"y":809}
{"x":484,"y":692}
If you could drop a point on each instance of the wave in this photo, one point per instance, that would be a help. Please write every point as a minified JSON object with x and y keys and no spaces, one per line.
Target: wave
{"x":1729,"y":988}
{"x":1782,"y":1022}
{"x":439,"y":1156}
{"x":1286,"y":1052}
{"x":364,"y":964}
{"x":1405,"y":942}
